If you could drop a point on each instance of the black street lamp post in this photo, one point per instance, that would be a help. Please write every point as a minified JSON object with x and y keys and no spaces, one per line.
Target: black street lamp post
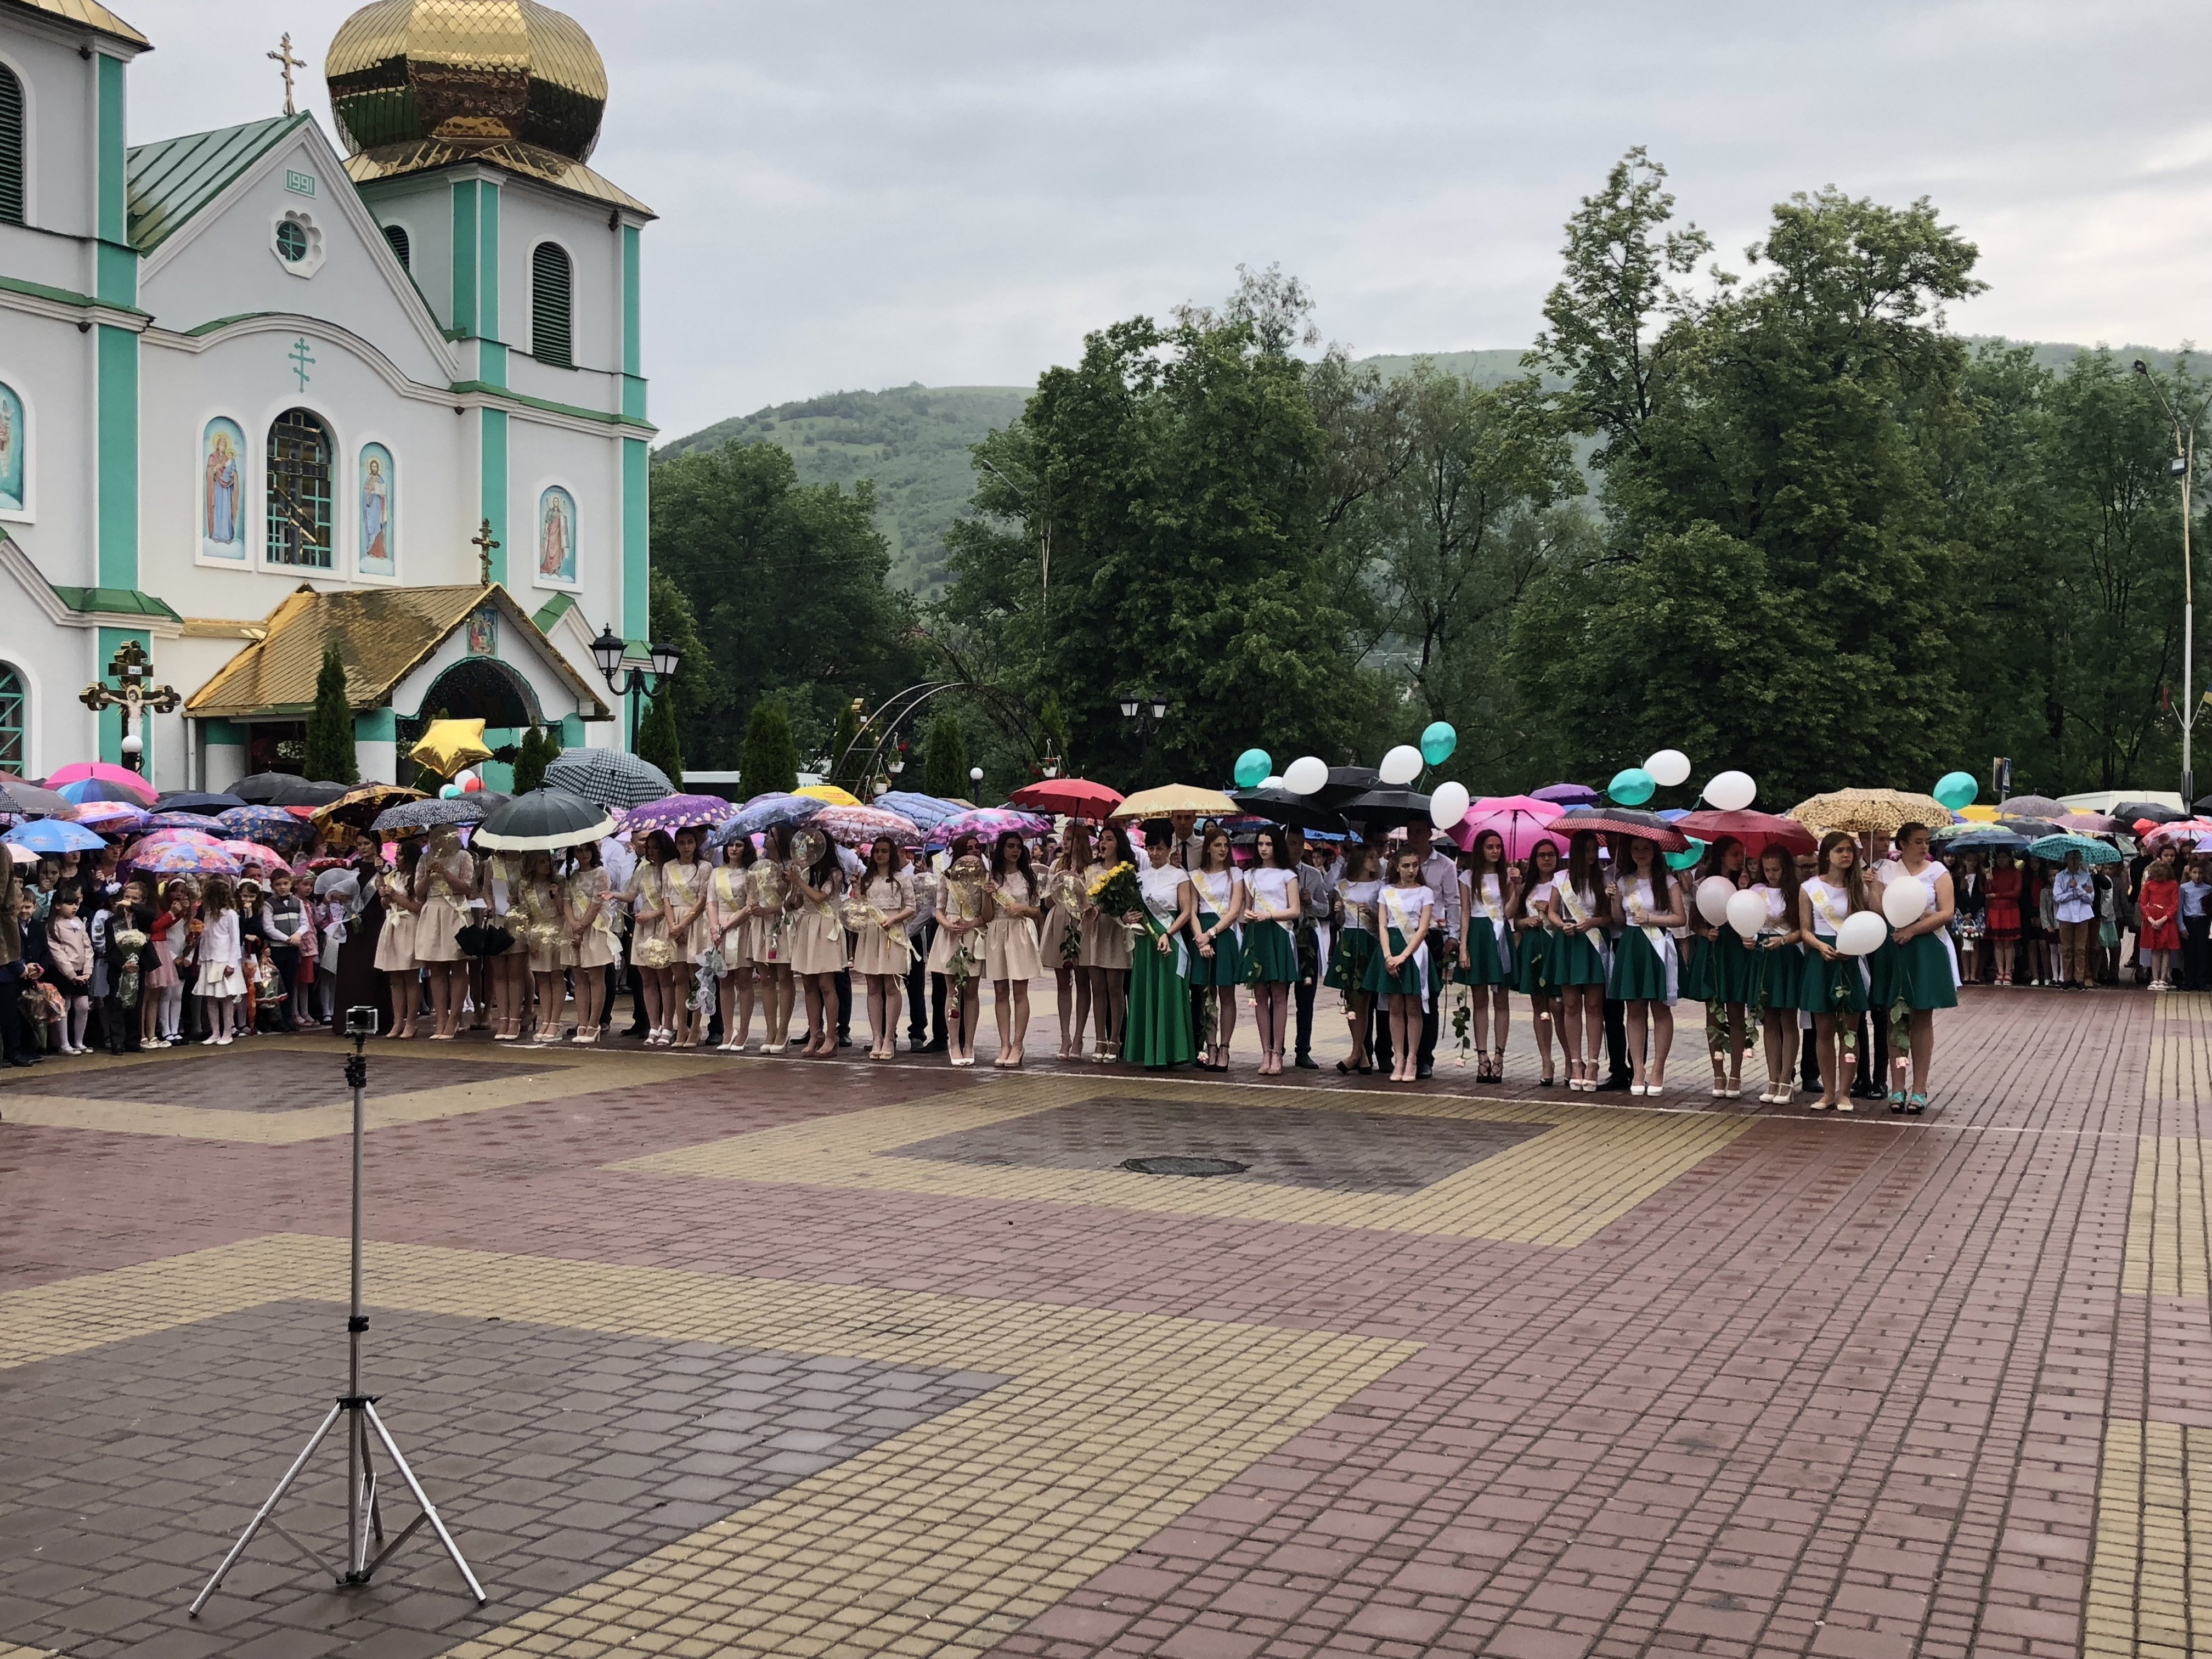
{"x":607,"y":652}
{"x":1144,"y":711}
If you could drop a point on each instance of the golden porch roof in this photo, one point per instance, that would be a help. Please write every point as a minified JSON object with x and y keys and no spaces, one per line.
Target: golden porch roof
{"x":383,"y":635}
{"x":91,"y":14}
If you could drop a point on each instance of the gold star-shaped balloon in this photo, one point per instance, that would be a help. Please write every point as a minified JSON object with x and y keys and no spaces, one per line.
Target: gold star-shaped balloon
{"x":449,"y":746}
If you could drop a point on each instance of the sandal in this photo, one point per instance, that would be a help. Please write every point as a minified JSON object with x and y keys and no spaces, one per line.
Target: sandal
{"x":1915,"y":1103}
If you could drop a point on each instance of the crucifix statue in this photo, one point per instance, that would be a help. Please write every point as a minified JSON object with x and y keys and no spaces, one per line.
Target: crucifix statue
{"x":133,"y":694}
{"x":484,"y":544}
{"x":283,"y":56}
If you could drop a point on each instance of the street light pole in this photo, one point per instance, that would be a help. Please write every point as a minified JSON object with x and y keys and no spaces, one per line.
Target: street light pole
{"x":1146,"y":711}
{"x":2185,"y":464}
{"x":607,"y":652}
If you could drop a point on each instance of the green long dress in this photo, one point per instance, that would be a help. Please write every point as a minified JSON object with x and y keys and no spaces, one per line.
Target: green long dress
{"x":1157,"y":1031}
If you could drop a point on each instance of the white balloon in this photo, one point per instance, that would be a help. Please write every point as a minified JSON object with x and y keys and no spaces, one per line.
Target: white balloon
{"x":1862,"y":935}
{"x":1731,"y":792}
{"x":1905,"y":900}
{"x":1747,"y":914}
{"x":1273,"y":781}
{"x":1401,"y":766}
{"x":1448,"y":806}
{"x":1714,"y":893}
{"x":1305,"y":775}
{"x":1668,"y":768}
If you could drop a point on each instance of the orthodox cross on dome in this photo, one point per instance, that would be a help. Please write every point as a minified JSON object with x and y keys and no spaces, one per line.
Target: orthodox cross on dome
{"x":282,"y":57}
{"x":484,"y":544}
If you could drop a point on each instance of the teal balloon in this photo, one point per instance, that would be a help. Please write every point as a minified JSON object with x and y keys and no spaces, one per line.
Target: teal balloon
{"x":1630,"y":786}
{"x":1253,"y":767}
{"x":1957,"y":790}
{"x":1438,"y":739}
{"x":1687,"y":859}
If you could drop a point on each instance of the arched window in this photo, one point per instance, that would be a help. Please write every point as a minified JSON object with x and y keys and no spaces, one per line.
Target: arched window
{"x":15,"y":721}
{"x":397,"y":236}
{"x":298,"y":491}
{"x":551,"y":339}
{"x":11,"y":146}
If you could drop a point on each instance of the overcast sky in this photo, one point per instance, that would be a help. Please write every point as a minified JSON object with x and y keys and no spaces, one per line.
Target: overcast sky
{"x":865,"y":194}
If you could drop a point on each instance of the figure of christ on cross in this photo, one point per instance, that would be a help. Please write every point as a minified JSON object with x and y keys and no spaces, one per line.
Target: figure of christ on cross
{"x":484,"y":544}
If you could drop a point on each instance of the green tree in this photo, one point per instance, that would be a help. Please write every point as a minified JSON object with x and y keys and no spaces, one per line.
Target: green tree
{"x":531,"y":757}
{"x":771,"y":758}
{"x":657,"y":738}
{"x":848,"y":757}
{"x":330,"y":753}
{"x":674,"y":621}
{"x":944,"y":757}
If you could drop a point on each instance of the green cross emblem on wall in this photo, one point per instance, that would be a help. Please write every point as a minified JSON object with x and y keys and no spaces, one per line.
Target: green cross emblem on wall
{"x":300,"y":358}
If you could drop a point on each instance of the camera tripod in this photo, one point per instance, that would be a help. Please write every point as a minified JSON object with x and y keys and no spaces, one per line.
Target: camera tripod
{"x":364,"y":1510}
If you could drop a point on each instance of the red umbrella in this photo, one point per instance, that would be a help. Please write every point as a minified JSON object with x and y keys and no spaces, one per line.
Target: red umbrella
{"x":1756,"y":831}
{"x":1669,"y":836}
{"x":1074,"y":797}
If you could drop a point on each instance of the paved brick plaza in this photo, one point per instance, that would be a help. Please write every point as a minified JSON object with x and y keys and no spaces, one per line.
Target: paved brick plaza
{"x":705,"y":1355}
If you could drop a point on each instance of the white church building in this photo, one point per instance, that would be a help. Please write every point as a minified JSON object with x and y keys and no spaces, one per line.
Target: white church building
{"x":259,"y":392}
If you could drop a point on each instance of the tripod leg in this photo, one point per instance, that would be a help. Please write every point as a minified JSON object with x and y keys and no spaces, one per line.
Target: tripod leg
{"x":422,"y":1499}
{"x":263,"y":1514}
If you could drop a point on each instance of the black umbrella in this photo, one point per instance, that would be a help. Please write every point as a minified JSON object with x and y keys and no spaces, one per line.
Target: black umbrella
{"x":543,"y":821}
{"x":1386,"y":809}
{"x":1344,"y":782}
{"x":1291,"y":812}
{"x":283,"y":789}
{"x":412,"y":817}
{"x":195,"y":800}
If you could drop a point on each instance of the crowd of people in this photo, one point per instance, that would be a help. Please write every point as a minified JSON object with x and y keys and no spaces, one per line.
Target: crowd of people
{"x":1156,"y":945}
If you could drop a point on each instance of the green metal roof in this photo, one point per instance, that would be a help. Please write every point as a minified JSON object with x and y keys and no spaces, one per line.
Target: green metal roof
{"x":171,"y":180}
{"x":112,"y":601}
{"x":552,"y":611}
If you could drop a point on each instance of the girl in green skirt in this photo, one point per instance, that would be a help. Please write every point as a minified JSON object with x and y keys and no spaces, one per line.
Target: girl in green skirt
{"x":1645,"y":904}
{"x":1777,"y":962}
{"x":1927,"y":972}
{"x":1271,"y":948}
{"x":1218,"y":961}
{"x":1727,"y":970}
{"x":1359,"y":889}
{"x":1832,"y":988}
{"x":1400,"y":971}
{"x":1157,"y":1033}
{"x":1490,"y":889}
{"x":1576,"y":967}
{"x":1532,"y":946}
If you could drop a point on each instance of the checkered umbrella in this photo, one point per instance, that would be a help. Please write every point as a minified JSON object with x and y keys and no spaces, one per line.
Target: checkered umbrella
{"x":608,"y":778}
{"x":272,"y":826}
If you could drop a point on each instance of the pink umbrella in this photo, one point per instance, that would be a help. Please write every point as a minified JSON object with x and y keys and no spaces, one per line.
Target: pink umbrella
{"x":2089,"y":823}
{"x":859,"y":826}
{"x":253,"y":854}
{"x":104,"y":772}
{"x":110,"y":817}
{"x":1521,"y":820}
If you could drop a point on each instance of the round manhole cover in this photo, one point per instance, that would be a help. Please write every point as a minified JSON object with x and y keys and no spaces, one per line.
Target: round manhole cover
{"x":1185,"y":1166}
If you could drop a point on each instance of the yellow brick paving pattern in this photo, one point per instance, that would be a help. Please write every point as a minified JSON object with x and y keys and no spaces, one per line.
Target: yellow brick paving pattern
{"x":942,"y":1539}
{"x":1560,"y":1187}
{"x":582,"y":1071}
{"x":2168,"y":1250}
{"x":2150,"y":1577}
{"x":2179,"y":1068}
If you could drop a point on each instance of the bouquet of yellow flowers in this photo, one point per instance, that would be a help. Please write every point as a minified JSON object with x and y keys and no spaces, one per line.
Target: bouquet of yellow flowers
{"x":1117,"y":891}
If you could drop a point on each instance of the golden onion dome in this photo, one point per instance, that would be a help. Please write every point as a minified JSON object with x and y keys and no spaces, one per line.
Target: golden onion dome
{"x":466,"y":73}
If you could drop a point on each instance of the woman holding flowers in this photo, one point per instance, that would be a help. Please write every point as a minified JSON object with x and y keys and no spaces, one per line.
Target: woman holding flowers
{"x":445,"y":881}
{"x":1010,"y":942}
{"x":817,"y":937}
{"x":651,"y":951}
{"x":1218,"y":887}
{"x":684,"y":885}
{"x":883,"y":902}
{"x":958,"y":950}
{"x":1399,"y":971}
{"x":538,"y":921}
{"x":773,"y":927}
{"x":1646,"y":905}
{"x":587,"y":907}
{"x":1490,"y":891}
{"x":1106,"y":956}
{"x":1832,"y":986}
{"x":731,"y":933}
{"x":1061,"y":946}
{"x":1158,"y":899}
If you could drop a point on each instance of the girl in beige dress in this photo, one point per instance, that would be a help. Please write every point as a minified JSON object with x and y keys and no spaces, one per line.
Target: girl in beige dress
{"x":539,"y":920}
{"x":957,"y":952}
{"x":684,"y":888}
{"x":650,"y":949}
{"x":817,"y":945}
{"x":587,"y":910}
{"x":395,"y":944}
{"x":730,"y":928}
{"x":1065,"y":889}
{"x":1106,"y":949}
{"x":774,"y":922}
{"x":508,"y":974}
{"x":445,"y":881}
{"x":1009,"y":944}
{"x":883,"y":903}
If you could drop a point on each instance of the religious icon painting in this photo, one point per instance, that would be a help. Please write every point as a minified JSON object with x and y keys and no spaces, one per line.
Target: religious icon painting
{"x":378,"y":547}
{"x":556,"y":538}
{"x":15,"y":440}
{"x":484,"y":632}
{"x":222,"y":490}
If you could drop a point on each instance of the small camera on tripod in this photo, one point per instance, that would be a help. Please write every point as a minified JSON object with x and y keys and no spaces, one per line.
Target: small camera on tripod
{"x":361,"y":1022}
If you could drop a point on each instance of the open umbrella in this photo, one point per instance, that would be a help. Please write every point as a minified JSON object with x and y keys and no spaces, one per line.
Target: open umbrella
{"x":608,"y":777}
{"x":1380,"y":808}
{"x":922,"y":810}
{"x":1521,"y":820}
{"x":1074,"y":797}
{"x":411,"y":817}
{"x":28,"y":801}
{"x":85,"y":791}
{"x":183,"y":858}
{"x":358,"y":808}
{"x":204,"y":802}
{"x":272,"y":826}
{"x":860,"y":826}
{"x":2135,"y":812}
{"x":2056,"y":847}
{"x":1292,"y":811}
{"x":2092,"y":824}
{"x":207,"y":823}
{"x":1344,"y":782}
{"x":2030,"y":806}
{"x":543,"y":821}
{"x":252,"y":855}
{"x":1756,"y":831}
{"x":1859,"y":810}
{"x":1617,"y":821}
{"x":54,"y":835}
{"x":673,"y":812}
{"x":103,"y":772}
{"x":1172,"y":798}
{"x":110,"y":817}
{"x":283,"y":789}
{"x":1567,"y":794}
{"x":988,"y":823}
{"x":211,"y":836}
{"x":775,"y":810}
{"x":1986,"y":837}
{"x":828,"y":794}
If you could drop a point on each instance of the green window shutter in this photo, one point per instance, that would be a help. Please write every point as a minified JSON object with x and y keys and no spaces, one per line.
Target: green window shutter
{"x":551,"y":338}
{"x":397,"y":236}
{"x":11,"y":146}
